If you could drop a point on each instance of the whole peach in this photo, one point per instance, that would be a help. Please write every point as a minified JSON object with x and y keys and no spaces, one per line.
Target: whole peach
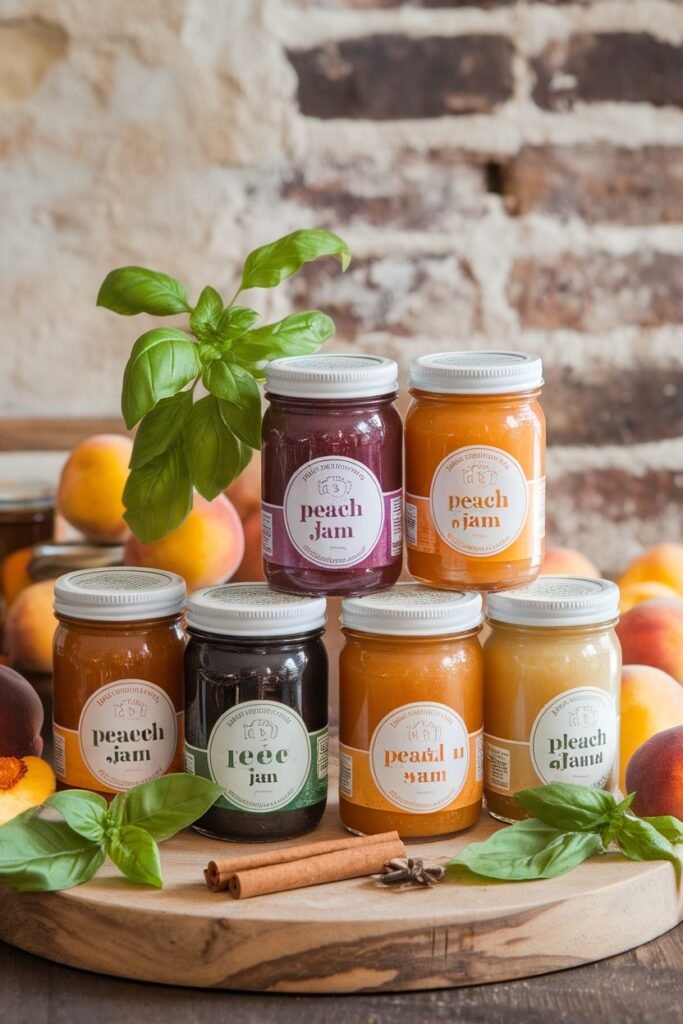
{"x":662,"y":563}
{"x":651,"y":701}
{"x":30,"y":627}
{"x":251,"y":566}
{"x":205,"y":549}
{"x":567,"y":562}
{"x":651,"y":633}
{"x":91,"y":485}
{"x":655,"y":773}
{"x":635,"y":593}
{"x":21,"y":716}
{"x":245,"y":491}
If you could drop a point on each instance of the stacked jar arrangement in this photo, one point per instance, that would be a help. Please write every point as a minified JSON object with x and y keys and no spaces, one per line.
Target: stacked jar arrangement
{"x":429,"y":719}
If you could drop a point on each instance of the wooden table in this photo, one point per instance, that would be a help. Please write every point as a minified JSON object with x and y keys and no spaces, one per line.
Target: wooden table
{"x":645,"y":985}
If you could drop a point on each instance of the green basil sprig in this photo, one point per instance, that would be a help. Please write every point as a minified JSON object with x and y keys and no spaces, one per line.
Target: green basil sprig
{"x":181,"y":443}
{"x":569,"y":824}
{"x":64,"y":842}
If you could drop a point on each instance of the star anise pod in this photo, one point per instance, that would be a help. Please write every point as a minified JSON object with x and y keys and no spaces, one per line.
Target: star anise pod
{"x":411,"y":869}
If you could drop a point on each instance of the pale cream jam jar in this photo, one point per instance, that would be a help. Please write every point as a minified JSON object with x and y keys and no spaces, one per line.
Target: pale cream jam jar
{"x":552,"y":673}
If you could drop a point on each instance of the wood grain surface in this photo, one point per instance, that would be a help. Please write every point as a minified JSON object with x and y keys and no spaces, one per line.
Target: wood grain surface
{"x":51,"y":434}
{"x":347,"y":937}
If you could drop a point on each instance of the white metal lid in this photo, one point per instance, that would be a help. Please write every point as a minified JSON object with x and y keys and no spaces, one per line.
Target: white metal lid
{"x":483,"y":373}
{"x":557,"y":601}
{"x":409,"y":609}
{"x":333,"y":375}
{"x":24,"y":495}
{"x":119,"y":594}
{"x":253,"y":609}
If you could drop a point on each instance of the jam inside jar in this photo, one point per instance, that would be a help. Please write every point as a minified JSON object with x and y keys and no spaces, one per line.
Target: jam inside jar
{"x":332,"y":475}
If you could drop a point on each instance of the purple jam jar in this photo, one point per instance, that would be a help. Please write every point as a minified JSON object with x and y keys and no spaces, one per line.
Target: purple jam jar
{"x":332,"y":481}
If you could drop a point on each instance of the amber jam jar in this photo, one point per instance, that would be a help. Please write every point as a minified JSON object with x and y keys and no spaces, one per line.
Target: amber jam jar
{"x":27,"y":512}
{"x":475,"y":478}
{"x":118,"y":694}
{"x":332,"y":475}
{"x":552,"y":676}
{"x":256,"y":684}
{"x":411,"y":712}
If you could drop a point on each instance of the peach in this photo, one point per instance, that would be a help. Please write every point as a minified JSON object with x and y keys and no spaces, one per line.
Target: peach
{"x":245,"y":491}
{"x":14,"y":574}
{"x":205,"y":549}
{"x":24,"y":782}
{"x":655,"y":774}
{"x":21,"y":716}
{"x":662,"y":563}
{"x":635,"y":593}
{"x":251,"y":566}
{"x":567,"y":562}
{"x":91,"y":485}
{"x":30,"y":627}
{"x":651,"y":633}
{"x":651,"y":701}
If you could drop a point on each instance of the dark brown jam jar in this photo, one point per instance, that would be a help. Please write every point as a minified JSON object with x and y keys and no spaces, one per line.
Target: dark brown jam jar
{"x":27,"y":513}
{"x":256,"y":709}
{"x":332,"y":475}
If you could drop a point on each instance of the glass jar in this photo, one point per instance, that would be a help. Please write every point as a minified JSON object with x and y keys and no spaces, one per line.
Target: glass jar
{"x":552,"y":672}
{"x":332,"y":475}
{"x":27,"y":514}
{"x":475,"y":483}
{"x":256,"y":723}
{"x":411,"y":712}
{"x":118,"y":697}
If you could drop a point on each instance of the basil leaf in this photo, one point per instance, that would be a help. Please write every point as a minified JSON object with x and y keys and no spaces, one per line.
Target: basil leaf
{"x":131,"y":290}
{"x":84,"y":812}
{"x":115,"y":815}
{"x":568,"y":807}
{"x":668,"y":826}
{"x":639,"y":840}
{"x":218,"y":379}
{"x":206,"y":314}
{"x":528,"y":850}
{"x":162,"y":362}
{"x":234,"y":322}
{"x":243,"y":424}
{"x":160,"y":427}
{"x":245,"y":457}
{"x":170,"y":803}
{"x":40,"y":855}
{"x":136,"y":855}
{"x":212,"y":449}
{"x":267,"y":266}
{"x":298,"y":334}
{"x":158,"y":496}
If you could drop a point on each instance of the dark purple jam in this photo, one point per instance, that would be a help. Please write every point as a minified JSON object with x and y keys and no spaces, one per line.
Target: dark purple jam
{"x":332,"y":477}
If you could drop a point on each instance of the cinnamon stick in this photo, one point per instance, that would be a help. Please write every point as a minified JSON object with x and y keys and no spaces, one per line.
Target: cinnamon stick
{"x":355,"y":862}
{"x":219,"y":873}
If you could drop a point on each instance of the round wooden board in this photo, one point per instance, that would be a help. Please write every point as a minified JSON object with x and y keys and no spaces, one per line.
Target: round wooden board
{"x":353,"y":936}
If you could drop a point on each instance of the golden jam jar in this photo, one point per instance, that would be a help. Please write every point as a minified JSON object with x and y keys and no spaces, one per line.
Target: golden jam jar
{"x":118,"y":691}
{"x":552,"y":671}
{"x":411,"y":712}
{"x":475,"y":477}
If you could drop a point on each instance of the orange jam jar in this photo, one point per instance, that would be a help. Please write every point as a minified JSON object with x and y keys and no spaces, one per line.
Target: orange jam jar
{"x":552,"y":675}
{"x":411,"y":712}
{"x":118,"y":689}
{"x":474,"y":463}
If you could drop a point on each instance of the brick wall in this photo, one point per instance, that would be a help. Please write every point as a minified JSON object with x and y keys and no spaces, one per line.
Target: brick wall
{"x":506,"y":173}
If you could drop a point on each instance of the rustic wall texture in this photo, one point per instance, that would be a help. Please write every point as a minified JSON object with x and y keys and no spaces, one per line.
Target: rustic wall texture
{"x":506,"y":173}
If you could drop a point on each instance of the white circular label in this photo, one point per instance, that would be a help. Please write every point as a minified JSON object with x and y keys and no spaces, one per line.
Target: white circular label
{"x":479,"y":500}
{"x":574,"y":738}
{"x":127,"y":733}
{"x":334,"y":511}
{"x":419,"y":756}
{"x":260,"y":753}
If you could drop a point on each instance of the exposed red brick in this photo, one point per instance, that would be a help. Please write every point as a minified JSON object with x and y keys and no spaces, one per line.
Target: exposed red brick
{"x":415,"y":192}
{"x":384,"y":77}
{"x":597,"y":183}
{"x":613,"y":406}
{"x":435,"y":296}
{"x":627,"y":67}
{"x":597,"y":291}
